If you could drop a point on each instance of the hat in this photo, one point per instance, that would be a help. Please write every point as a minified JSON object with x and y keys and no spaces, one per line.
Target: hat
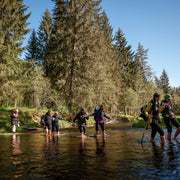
{"x":168,"y":96}
{"x":16,"y":111}
{"x":56,"y":113}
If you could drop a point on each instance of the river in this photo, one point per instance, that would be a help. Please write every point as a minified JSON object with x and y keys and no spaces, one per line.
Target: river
{"x":121,"y":156}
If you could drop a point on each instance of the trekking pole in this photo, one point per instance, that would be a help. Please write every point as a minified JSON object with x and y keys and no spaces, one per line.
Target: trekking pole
{"x":144,"y":131}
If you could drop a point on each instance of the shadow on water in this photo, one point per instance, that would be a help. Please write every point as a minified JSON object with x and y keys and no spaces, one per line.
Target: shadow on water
{"x":120,"y":156}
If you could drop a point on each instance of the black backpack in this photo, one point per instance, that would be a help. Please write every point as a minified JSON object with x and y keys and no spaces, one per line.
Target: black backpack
{"x":42,"y":120}
{"x":143,"y":113}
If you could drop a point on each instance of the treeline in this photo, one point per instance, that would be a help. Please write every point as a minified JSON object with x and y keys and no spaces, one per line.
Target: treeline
{"x":73,"y":60}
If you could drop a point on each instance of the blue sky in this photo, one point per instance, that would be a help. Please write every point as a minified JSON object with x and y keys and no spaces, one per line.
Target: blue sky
{"x":153,"y":23}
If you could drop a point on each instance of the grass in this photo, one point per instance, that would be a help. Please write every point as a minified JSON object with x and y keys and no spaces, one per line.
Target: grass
{"x":30,"y":118}
{"x":141,"y":123}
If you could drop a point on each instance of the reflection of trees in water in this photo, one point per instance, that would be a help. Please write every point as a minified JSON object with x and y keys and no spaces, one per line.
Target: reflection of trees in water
{"x":16,"y":151}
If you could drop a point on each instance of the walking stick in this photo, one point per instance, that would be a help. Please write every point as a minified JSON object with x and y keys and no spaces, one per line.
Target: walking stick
{"x":144,"y":131}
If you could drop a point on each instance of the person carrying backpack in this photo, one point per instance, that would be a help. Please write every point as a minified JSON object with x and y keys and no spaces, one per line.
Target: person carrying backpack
{"x":14,"y":120}
{"x":99,"y":117}
{"x":152,"y":113}
{"x":81,"y":117}
{"x":169,"y":117}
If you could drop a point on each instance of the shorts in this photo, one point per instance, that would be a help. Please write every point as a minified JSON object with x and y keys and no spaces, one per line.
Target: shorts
{"x":14,"y":123}
{"x":48,"y":126}
{"x":101,"y":124}
{"x":168,"y":121}
{"x":82,"y":128}
{"x":55,"y":127}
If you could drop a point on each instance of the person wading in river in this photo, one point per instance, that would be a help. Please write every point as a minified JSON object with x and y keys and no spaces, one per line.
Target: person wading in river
{"x":55,"y":124}
{"x":99,"y":117}
{"x":48,"y":123}
{"x":14,"y":120}
{"x":169,"y":117}
{"x":152,"y":112}
{"x":81,"y":117}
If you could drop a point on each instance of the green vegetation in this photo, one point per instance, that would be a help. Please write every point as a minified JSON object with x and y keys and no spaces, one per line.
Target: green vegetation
{"x":30,"y":118}
{"x":73,"y":60}
{"x":141,"y":123}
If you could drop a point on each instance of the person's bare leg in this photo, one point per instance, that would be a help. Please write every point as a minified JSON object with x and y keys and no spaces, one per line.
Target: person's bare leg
{"x":152,"y":140}
{"x":176,"y":133}
{"x":169,"y":136}
{"x":46,"y":131}
{"x":96,"y":133}
{"x":14,"y":128}
{"x":49,"y":132}
{"x":58,"y":133}
{"x":163,"y":140}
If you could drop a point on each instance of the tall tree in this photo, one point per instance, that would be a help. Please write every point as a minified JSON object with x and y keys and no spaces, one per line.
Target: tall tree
{"x":13,"y":25}
{"x":164,"y":80}
{"x":77,"y":25}
{"x":32,"y":49}
{"x":44,"y":36}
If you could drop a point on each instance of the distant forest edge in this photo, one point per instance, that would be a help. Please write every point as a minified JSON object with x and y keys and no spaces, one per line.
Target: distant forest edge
{"x":73,"y":60}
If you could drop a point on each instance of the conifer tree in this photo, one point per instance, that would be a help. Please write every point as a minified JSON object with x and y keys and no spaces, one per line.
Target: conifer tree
{"x":13,"y":25}
{"x":44,"y":36}
{"x":164,"y":81}
{"x":32,"y":49}
{"x":77,"y":25}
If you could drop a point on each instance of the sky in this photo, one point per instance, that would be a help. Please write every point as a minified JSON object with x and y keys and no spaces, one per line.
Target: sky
{"x":153,"y":23}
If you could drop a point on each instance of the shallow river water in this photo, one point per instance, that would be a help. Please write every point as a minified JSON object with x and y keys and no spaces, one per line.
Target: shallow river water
{"x":121,"y":156}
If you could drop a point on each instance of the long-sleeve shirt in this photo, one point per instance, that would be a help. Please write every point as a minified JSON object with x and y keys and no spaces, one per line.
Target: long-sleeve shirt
{"x":99,"y":116}
{"x":81,"y":118}
{"x":56,"y":118}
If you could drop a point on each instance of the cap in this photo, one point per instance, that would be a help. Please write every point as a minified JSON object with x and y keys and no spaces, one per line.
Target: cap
{"x":168,"y":96}
{"x":56,"y":113}
{"x":16,"y":111}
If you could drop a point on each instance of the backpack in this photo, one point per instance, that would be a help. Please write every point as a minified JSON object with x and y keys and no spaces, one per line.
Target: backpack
{"x":42,"y":123}
{"x":143,"y":113}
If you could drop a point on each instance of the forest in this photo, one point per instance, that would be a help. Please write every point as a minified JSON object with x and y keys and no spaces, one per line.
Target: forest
{"x":74,"y":60}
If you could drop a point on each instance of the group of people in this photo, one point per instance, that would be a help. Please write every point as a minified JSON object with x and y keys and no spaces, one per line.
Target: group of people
{"x":50,"y":122}
{"x":166,"y":108}
{"x":152,"y":111}
{"x":99,"y":116}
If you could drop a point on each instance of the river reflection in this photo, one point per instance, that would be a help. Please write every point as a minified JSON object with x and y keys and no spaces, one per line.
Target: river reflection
{"x":15,"y":156}
{"x":121,"y":156}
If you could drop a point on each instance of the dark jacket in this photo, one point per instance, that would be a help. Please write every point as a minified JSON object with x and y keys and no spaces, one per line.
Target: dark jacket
{"x":48,"y":119}
{"x":56,"y":118}
{"x":99,"y":116}
{"x":81,"y":118}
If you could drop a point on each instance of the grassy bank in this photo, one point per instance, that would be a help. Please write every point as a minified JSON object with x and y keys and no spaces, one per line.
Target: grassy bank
{"x":30,"y":118}
{"x":141,"y":123}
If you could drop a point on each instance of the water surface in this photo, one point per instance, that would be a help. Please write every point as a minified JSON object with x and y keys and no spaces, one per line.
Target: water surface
{"x":121,"y":156}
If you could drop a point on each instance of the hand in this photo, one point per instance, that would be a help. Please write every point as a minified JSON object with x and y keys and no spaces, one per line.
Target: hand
{"x":88,"y":115}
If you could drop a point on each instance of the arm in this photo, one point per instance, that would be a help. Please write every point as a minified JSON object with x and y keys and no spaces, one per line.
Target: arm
{"x":92,"y":114}
{"x":106,"y":116}
{"x":148,"y":109}
{"x":59,"y":118}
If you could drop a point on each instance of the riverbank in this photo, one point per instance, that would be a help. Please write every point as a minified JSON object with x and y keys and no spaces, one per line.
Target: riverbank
{"x":30,"y":119}
{"x":141,"y":123}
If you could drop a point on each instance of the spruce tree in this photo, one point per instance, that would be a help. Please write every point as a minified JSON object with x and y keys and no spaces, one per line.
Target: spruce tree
{"x":77,"y":25}
{"x":45,"y":32}
{"x":164,"y":80}
{"x":32,"y":49}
